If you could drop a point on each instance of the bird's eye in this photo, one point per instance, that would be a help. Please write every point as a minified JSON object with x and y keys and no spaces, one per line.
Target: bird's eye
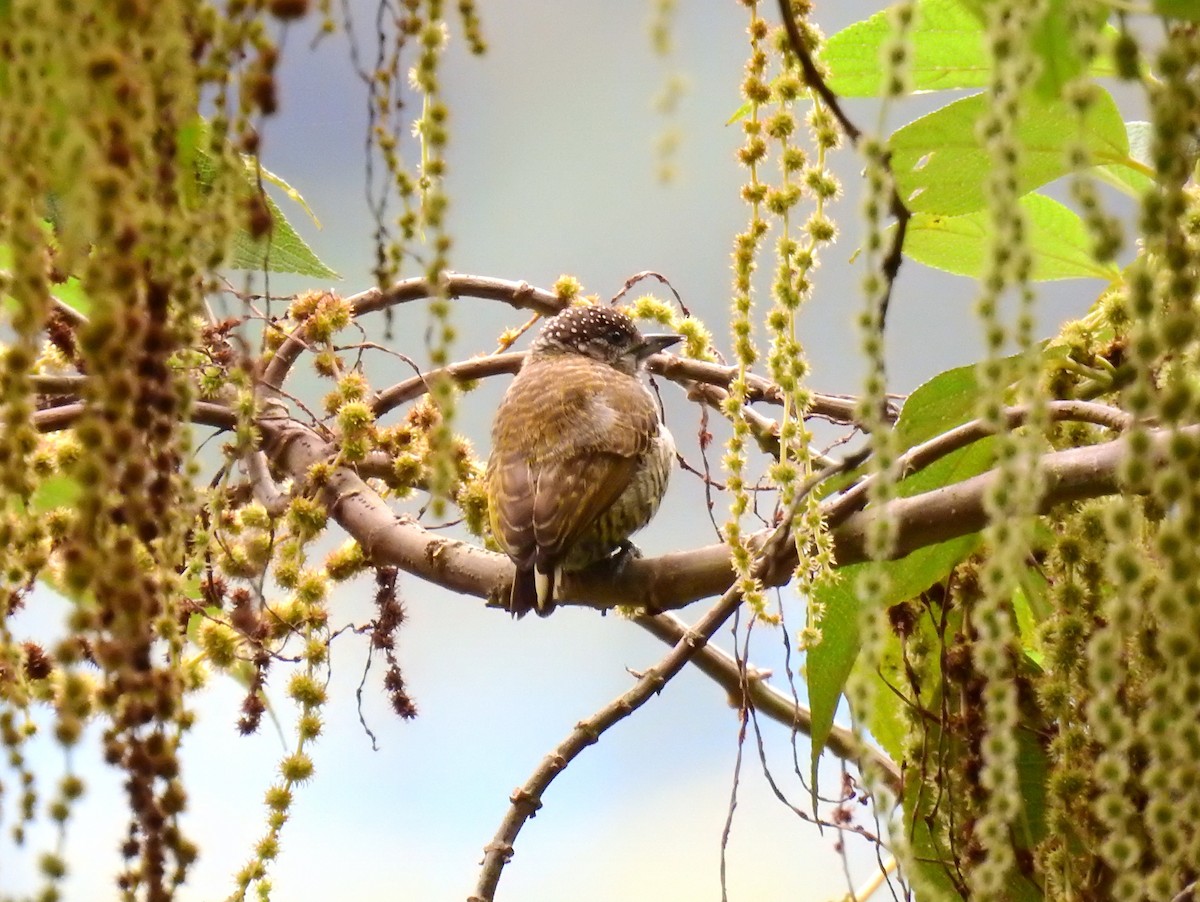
{"x":616,"y":336}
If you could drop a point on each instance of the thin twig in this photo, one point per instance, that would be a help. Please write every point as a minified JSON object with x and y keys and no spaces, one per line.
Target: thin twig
{"x":924,"y":454}
{"x":812,"y":75}
{"x":528,"y":799}
{"x":890,"y":266}
{"x":516,"y":294}
{"x":650,"y":274}
{"x":719,"y":666}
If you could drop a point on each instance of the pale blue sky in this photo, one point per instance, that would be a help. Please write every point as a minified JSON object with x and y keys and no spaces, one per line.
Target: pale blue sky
{"x":551,"y":171}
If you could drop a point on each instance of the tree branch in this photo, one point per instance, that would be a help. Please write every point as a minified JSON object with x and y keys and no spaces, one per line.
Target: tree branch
{"x":922,"y":455}
{"x":672,"y":580}
{"x":527,"y":800}
{"x":723,"y":669}
{"x":516,"y":294}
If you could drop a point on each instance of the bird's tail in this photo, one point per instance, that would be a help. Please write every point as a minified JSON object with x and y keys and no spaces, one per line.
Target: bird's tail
{"x":531,"y":591}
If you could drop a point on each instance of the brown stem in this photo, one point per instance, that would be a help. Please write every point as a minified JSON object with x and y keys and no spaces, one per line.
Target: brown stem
{"x":517,"y":294}
{"x":719,"y":666}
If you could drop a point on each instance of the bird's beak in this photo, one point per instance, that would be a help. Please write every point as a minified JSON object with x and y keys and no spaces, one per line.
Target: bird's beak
{"x":652,"y":344}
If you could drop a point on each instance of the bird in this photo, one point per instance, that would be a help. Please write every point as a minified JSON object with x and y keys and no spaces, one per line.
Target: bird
{"x":580,"y":456}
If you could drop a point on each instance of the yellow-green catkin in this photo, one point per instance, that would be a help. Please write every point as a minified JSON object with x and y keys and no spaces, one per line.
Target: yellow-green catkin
{"x":797,"y":251}
{"x":751,"y":155}
{"x":1087,"y":750}
{"x":873,"y":586}
{"x":1012,"y":501}
{"x":99,"y":182}
{"x":1162,"y":841}
{"x":672,"y":91}
{"x":1081,"y":94}
{"x":432,"y":133}
{"x":302,"y":619}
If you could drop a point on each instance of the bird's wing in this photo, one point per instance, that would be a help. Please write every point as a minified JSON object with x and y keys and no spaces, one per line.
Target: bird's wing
{"x":537,"y":518}
{"x":510,"y":512}
{"x":570,"y":496}
{"x":559,"y":466}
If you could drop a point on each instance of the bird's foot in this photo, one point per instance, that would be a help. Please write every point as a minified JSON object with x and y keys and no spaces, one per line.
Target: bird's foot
{"x":624,"y":554}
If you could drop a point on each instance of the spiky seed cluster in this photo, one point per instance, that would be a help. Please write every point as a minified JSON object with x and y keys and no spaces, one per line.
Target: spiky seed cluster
{"x":1143,"y":660}
{"x":746,"y":245}
{"x":873,"y":585}
{"x":669,"y":96}
{"x":1007,"y":271}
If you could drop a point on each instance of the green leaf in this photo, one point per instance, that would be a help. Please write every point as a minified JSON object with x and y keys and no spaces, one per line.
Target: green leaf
{"x":283,"y":250}
{"x":1027,"y":623}
{"x":829,"y":663}
{"x":56,"y":491}
{"x":947,"y":400}
{"x":72,"y":294}
{"x":930,"y":878}
{"x":292,"y":194}
{"x":941,"y":167}
{"x":948,"y":51}
{"x":1031,"y":777}
{"x":929,"y":875}
{"x":1135,"y":175}
{"x":1058,"y":239}
{"x":1054,"y":44}
{"x":69,"y":292}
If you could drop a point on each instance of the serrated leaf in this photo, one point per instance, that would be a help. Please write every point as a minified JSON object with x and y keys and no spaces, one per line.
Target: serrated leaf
{"x":941,"y":167}
{"x":948,"y":50}
{"x":1134,"y":176}
{"x":284,"y":251}
{"x":1058,"y":241}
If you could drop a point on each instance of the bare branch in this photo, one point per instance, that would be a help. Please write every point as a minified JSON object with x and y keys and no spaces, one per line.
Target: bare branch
{"x":475,"y":368}
{"x":921,"y":456}
{"x":62,"y":386}
{"x":721,"y":667}
{"x":517,"y":294}
{"x":527,"y":800}
{"x":669,"y":581}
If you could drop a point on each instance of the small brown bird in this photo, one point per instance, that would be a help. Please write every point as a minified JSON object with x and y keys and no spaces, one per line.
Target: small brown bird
{"x":580,"y":458}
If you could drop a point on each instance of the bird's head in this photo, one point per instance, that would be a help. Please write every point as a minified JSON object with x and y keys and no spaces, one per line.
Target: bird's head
{"x":602,"y":333}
